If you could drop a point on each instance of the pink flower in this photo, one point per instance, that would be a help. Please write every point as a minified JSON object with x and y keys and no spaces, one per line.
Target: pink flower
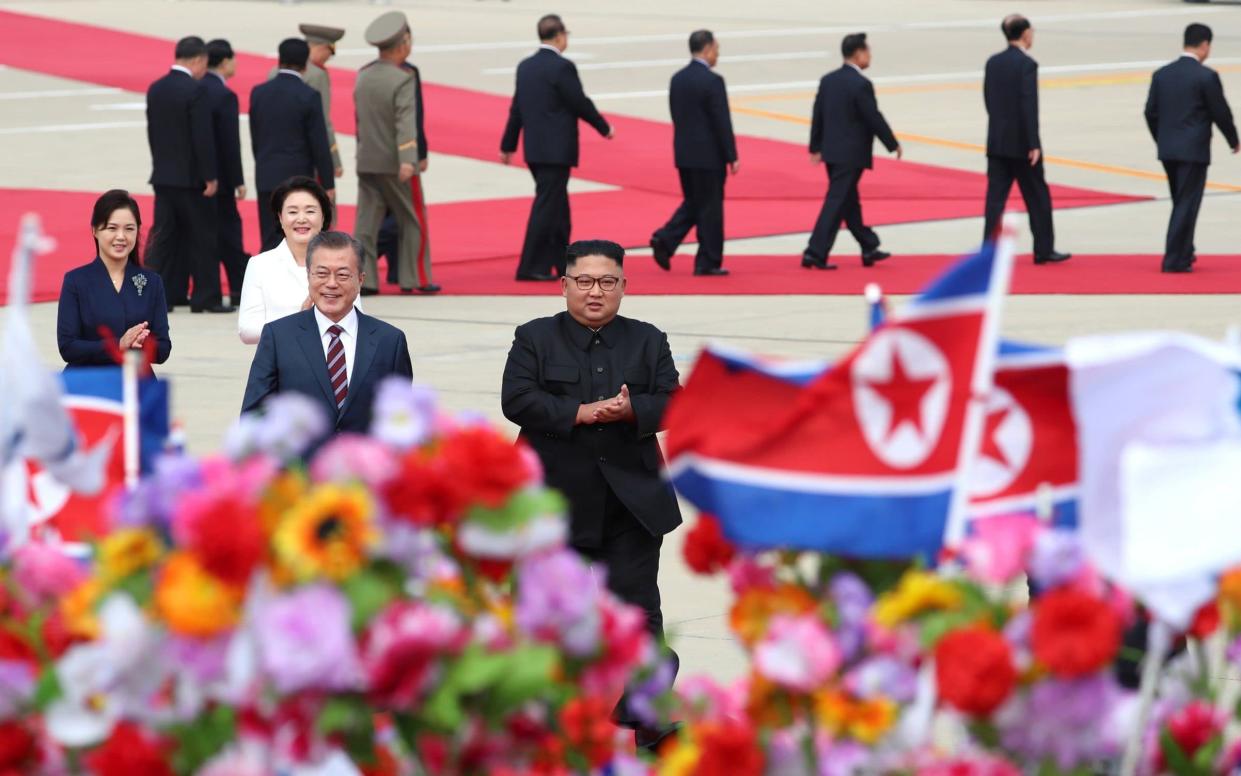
{"x":403,"y":647}
{"x":45,"y":572}
{"x":353,"y":457}
{"x":999,"y":546}
{"x":797,"y":652}
{"x":745,"y":573}
{"x":704,"y":699}
{"x":626,"y":643}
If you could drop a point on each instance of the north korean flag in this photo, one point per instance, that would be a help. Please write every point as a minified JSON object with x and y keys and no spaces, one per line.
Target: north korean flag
{"x":859,"y":458}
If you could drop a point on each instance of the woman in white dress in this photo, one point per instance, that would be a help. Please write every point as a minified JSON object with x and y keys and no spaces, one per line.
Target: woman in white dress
{"x":276,"y":284}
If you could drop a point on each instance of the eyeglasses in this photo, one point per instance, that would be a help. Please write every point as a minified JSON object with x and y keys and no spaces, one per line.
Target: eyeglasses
{"x":342,"y":276}
{"x":587,"y":282}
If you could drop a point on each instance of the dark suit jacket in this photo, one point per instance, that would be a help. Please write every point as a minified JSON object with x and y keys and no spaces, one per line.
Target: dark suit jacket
{"x":226,"y":130}
{"x":702,"y":136}
{"x":88,"y":300}
{"x":549,"y":375}
{"x":179,"y":132}
{"x":1010,"y":91}
{"x":288,"y":133}
{"x":546,"y":106}
{"x":290,"y":357}
{"x":847,"y":120}
{"x":1185,"y":98}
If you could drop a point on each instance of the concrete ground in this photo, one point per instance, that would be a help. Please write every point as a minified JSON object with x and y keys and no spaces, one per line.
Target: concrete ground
{"x":928,"y":54}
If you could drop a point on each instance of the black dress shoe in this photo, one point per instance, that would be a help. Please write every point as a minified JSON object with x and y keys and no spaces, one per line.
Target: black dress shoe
{"x":370,"y":292}
{"x":663,"y":257}
{"x":651,"y":740}
{"x":869,"y":259}
{"x":215,"y":308}
{"x":1179,"y":269}
{"x":429,"y":288}
{"x":810,"y":263}
{"x":1055,"y":257}
{"x":712,"y":271}
{"x":536,"y":276}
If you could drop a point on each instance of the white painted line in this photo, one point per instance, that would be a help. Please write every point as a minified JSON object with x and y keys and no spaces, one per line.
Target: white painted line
{"x":35,"y":95}
{"x":71,"y":127}
{"x":728,"y":59}
{"x":119,"y":106}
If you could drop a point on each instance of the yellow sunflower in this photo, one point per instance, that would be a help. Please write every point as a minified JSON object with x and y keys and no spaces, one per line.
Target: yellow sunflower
{"x":917,"y":593}
{"x":327,"y":533}
{"x":127,"y":551}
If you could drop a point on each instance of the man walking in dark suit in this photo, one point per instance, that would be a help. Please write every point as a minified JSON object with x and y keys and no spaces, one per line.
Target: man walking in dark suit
{"x":546,"y":106}
{"x":221,"y":66}
{"x":331,"y":353}
{"x":705,"y":152}
{"x":288,"y":135}
{"x":588,"y":388}
{"x":184,"y":175}
{"x":843,"y":129}
{"x":1185,"y":98}
{"x":1014,"y":151}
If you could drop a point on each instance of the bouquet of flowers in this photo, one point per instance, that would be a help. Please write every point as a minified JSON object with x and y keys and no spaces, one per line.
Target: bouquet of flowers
{"x":403,"y":603}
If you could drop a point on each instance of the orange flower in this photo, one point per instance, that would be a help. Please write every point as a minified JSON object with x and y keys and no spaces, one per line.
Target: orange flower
{"x":1230,"y":594}
{"x":77,"y":609}
{"x":755,"y":608}
{"x":282,"y":493}
{"x":864,"y":720}
{"x":192,"y":601}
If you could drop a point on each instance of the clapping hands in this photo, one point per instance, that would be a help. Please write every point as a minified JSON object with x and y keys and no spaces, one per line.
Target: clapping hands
{"x":617,"y":408}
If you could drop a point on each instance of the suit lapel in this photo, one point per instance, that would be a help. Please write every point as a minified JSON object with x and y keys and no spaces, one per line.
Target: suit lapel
{"x":363,"y":355}
{"x":312,"y":348}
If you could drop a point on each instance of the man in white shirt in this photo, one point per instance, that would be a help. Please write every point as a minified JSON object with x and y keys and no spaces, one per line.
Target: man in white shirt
{"x":331,"y":353}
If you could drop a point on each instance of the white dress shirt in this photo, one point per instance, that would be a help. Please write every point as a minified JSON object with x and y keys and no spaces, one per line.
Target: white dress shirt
{"x":551,"y":48}
{"x":183,"y":69}
{"x":349,"y":339}
{"x":275,"y":286}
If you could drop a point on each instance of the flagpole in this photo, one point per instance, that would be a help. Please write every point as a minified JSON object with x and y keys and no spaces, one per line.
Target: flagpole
{"x":981,"y":381}
{"x":129,"y":415}
{"x":1158,"y":642}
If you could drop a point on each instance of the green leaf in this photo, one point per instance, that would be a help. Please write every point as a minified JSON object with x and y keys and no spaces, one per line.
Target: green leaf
{"x":368,"y":592}
{"x":1178,"y":763}
{"x":140,"y":586}
{"x":528,"y":676}
{"x":350,"y":718}
{"x":1204,"y":758}
{"x":47,"y":689}
{"x":202,"y":739}
{"x":937,"y":625}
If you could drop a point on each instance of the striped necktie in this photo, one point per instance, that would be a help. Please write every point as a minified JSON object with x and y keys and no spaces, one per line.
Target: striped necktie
{"x":336,"y":371}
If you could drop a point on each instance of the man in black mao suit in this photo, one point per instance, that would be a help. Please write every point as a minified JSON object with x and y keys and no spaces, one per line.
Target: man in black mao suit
{"x":547,"y":104}
{"x":332,"y":352}
{"x":230,"y":251}
{"x":288,"y":134}
{"x":705,"y":151}
{"x":588,"y":389}
{"x":184,"y":175}
{"x":1185,"y":98}
{"x":843,"y":129}
{"x":1014,"y":151}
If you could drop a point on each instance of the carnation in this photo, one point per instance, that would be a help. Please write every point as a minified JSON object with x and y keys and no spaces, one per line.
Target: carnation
{"x":1074,"y":633}
{"x":974,"y":670}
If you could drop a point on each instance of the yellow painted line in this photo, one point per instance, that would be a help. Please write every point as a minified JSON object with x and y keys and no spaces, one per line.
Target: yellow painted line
{"x":1059,"y":161}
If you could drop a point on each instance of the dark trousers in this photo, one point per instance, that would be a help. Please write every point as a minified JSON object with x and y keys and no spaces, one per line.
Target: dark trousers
{"x":1186,"y":181}
{"x":1001,"y":172}
{"x":269,"y":225}
{"x":547,"y":232}
{"x":702,"y":208}
{"x":182,"y":245}
{"x":842,"y":203}
{"x":229,"y":248}
{"x":630,"y":554}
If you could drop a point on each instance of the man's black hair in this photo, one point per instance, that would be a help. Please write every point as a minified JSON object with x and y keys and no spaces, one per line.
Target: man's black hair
{"x":1014,"y":27}
{"x":699,"y":40}
{"x":293,"y":53}
{"x":1196,"y":34}
{"x":852,"y":44}
{"x":583,"y":248}
{"x":218,"y":50}
{"x":550,"y":26}
{"x":191,"y":47}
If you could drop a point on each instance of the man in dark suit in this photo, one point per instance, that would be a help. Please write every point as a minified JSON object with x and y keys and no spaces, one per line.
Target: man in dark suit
{"x":546,"y":106}
{"x":1014,"y":151}
{"x":221,"y":66}
{"x":184,"y":175}
{"x":705,"y":151}
{"x":1185,"y":98}
{"x":843,"y":129}
{"x":332,"y":353}
{"x":588,"y":389}
{"x":288,"y":135}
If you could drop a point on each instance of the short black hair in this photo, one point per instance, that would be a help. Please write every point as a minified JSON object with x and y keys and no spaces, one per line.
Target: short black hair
{"x":852,"y":44}
{"x":293,"y":52}
{"x":191,"y":47}
{"x":583,"y":248}
{"x":107,"y":204}
{"x":218,"y":50}
{"x":550,"y":26}
{"x":1014,"y":27}
{"x":699,"y":40}
{"x":308,"y":185}
{"x":1196,"y":34}
{"x":335,"y":241}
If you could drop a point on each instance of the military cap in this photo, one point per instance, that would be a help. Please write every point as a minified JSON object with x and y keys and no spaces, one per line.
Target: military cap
{"x":318,"y":33}
{"x":387,"y":29}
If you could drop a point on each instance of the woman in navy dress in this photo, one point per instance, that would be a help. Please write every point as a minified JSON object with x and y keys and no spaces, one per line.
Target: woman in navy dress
{"x":113,"y":291}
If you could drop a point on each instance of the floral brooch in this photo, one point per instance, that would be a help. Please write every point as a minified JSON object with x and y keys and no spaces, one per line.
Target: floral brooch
{"x":140,"y":282}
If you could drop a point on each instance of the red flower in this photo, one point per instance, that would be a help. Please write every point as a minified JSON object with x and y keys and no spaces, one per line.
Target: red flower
{"x":128,"y":751}
{"x":385,"y":764}
{"x":224,"y":532}
{"x":420,"y":493}
{"x":587,"y":725}
{"x":706,"y":550}
{"x":729,"y":749}
{"x":1206,"y":620}
{"x":18,"y":747}
{"x":974,"y":670}
{"x":1191,"y":727}
{"x":483,"y":467}
{"x":1074,"y":633}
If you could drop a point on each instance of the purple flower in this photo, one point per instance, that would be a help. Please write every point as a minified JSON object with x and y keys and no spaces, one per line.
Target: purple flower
{"x":203,"y":660}
{"x":853,"y":600}
{"x":153,"y":503}
{"x":404,"y":414}
{"x":1062,"y":720}
{"x":17,"y":682}
{"x":287,"y":426}
{"x":1057,"y":558}
{"x":883,"y":677}
{"x":645,"y":695}
{"x":556,"y":601}
{"x":305,"y":642}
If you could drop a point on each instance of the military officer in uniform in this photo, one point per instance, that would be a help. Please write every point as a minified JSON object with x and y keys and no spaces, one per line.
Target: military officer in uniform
{"x":322,"y":41}
{"x":385,"y":101}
